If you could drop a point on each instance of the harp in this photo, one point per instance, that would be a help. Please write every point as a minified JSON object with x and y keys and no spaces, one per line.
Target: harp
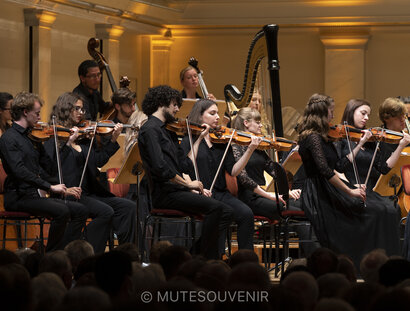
{"x":263,"y":52}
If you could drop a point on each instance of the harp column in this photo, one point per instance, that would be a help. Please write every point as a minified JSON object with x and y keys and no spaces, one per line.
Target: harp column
{"x":160,"y":49}
{"x":344,"y":74}
{"x":110,"y":36}
{"x":39,"y":23}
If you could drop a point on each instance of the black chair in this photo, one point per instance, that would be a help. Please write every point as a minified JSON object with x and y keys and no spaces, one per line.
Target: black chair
{"x":19,"y":220}
{"x":288,"y":218}
{"x":157,"y":217}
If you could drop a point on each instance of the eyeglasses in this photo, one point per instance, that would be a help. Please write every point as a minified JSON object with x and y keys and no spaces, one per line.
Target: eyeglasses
{"x":79,"y":109}
{"x":94,"y":76}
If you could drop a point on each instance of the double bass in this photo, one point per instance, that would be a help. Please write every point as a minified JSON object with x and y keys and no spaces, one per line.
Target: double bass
{"x":92,"y":46}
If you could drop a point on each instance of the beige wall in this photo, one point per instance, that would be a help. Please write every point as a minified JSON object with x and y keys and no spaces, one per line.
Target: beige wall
{"x":221,"y":52}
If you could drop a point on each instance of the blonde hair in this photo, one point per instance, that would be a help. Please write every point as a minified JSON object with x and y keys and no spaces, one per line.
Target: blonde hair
{"x":391,"y":108}
{"x":245,"y":114}
{"x":183,"y":71}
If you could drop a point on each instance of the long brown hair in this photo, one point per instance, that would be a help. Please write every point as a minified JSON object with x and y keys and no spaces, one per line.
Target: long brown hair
{"x":351,"y":106}
{"x":63,"y":108}
{"x":315,"y":116}
{"x":195,"y":116}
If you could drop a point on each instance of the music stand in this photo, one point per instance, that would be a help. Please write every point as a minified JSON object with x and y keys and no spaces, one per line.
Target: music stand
{"x":291,"y":164}
{"x":131,"y":167}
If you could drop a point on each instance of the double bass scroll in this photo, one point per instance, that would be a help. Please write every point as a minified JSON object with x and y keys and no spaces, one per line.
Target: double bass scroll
{"x":92,"y":46}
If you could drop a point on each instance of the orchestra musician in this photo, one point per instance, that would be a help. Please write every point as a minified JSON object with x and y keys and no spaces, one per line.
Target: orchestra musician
{"x":334,"y":208}
{"x":103,"y":206}
{"x":161,"y":155}
{"x":189,"y":80}
{"x":381,"y":234}
{"x":24,"y":161}
{"x":251,"y":178}
{"x":208,"y":156}
{"x":90,"y":78}
{"x":5,"y":115}
{"x":256,"y":103}
{"x":393,"y":113}
{"x":123,"y":101}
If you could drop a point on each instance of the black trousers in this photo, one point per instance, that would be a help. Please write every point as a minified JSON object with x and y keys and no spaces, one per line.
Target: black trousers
{"x":217,"y":215}
{"x":123,"y":211}
{"x":61,"y":212}
{"x":243,"y":217}
{"x":260,"y":205}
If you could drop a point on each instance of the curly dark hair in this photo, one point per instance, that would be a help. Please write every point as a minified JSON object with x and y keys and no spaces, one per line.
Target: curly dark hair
{"x":63,"y":108}
{"x":160,"y":96}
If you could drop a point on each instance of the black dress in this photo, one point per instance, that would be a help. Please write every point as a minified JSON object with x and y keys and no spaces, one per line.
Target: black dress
{"x":384,"y":228}
{"x":341,"y":222}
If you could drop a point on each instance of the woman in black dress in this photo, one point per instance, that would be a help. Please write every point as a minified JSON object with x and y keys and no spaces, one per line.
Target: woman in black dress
{"x":334,"y":208}
{"x":381,"y":217}
{"x":252,"y":177}
{"x":208,"y":156}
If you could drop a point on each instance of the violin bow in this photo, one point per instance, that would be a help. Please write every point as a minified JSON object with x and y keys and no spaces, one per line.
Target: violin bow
{"x":192,"y":150}
{"x":88,"y":156}
{"x":356,"y":175}
{"x":373,"y":158}
{"x":60,"y":175}
{"x":222,"y":160}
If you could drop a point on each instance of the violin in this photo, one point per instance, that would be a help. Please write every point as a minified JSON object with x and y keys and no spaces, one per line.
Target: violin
{"x":42,"y":132}
{"x":388,"y":136}
{"x":337,"y":132}
{"x":104,"y":127}
{"x":242,"y":138}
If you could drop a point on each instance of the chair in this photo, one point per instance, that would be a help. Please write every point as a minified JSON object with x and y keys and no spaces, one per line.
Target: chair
{"x":157,"y":217}
{"x":287,"y":218}
{"x":266,"y":228}
{"x":17,"y":219}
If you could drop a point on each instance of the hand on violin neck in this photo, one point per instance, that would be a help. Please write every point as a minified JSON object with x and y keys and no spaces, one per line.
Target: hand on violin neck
{"x":405,"y":140}
{"x":205,"y":132}
{"x":366,"y":136}
{"x":255,"y":141}
{"x":73,"y":136}
{"x":116,"y":132}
